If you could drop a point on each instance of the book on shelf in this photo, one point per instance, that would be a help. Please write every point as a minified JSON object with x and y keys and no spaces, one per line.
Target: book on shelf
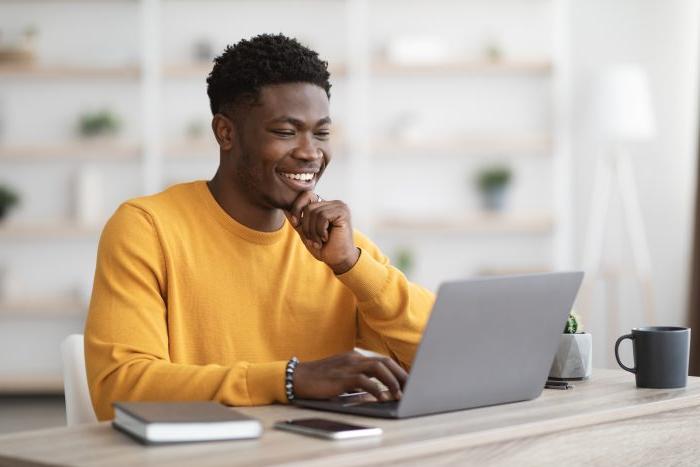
{"x":177,"y":422}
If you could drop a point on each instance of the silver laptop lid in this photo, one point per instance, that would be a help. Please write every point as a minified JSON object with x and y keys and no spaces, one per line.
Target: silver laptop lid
{"x":489,"y":341}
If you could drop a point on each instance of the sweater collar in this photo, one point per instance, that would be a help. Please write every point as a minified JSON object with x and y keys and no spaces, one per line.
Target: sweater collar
{"x":232,"y":225}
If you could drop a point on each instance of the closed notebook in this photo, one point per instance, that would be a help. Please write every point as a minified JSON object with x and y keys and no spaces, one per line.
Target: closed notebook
{"x":173,"y":422}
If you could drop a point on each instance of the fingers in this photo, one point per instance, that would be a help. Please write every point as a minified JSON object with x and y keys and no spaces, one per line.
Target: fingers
{"x":303,"y":200}
{"x":304,"y":216}
{"x":361,"y":381}
{"x":378,"y":369}
{"x":307,"y":227}
{"x":315,"y":222}
{"x":329,"y":377}
{"x":398,"y":372}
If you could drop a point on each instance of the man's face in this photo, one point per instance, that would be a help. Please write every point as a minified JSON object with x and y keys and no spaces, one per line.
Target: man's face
{"x":282,"y":144}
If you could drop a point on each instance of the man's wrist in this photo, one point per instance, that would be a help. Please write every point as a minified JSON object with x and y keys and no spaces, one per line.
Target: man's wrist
{"x":345,"y":266}
{"x":289,"y":378}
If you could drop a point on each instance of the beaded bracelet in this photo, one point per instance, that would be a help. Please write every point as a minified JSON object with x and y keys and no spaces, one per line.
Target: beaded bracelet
{"x":289,"y":377}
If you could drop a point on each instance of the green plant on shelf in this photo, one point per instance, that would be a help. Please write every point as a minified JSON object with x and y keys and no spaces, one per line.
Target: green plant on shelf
{"x":493,"y":178}
{"x":404,"y":260}
{"x":8,"y":199}
{"x":492,"y":183}
{"x":573,"y":324}
{"x":98,"y":123}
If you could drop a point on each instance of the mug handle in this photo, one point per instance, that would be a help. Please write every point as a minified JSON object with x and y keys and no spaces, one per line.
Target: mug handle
{"x":617,"y":355}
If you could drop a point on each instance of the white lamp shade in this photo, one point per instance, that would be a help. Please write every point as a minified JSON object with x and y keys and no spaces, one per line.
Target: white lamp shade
{"x":622,"y":109}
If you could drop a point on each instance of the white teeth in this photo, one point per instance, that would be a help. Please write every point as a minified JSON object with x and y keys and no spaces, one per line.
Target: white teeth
{"x":304,"y":177}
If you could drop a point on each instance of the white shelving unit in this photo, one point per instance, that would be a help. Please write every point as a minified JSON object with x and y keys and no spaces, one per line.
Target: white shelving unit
{"x":380,"y":175}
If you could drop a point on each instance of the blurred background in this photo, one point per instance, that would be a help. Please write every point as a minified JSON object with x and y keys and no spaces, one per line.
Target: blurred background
{"x":471,"y":138}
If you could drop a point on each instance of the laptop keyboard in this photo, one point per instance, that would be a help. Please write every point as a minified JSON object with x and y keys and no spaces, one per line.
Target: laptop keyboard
{"x":389,"y":405}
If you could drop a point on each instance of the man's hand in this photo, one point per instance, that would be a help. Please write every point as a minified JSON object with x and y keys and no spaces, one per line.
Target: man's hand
{"x":326,"y":230}
{"x":348,"y":372}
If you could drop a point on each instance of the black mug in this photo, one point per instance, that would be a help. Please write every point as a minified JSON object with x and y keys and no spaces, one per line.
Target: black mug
{"x":661,"y":355}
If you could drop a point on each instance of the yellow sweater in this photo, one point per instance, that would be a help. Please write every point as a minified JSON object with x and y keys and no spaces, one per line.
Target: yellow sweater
{"x":189,"y":304}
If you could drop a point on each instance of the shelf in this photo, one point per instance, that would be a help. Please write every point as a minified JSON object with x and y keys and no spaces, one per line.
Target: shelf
{"x":202,"y":70}
{"x":509,"y":271}
{"x":476,"y":223}
{"x":97,"y":150}
{"x":193,"y":150}
{"x":465,"y":145}
{"x":22,"y":70}
{"x":466,"y":66}
{"x":31,"y":384}
{"x":45,"y":307}
{"x":47,"y":231}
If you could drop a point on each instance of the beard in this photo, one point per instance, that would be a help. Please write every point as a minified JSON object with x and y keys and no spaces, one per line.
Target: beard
{"x":251,"y":180}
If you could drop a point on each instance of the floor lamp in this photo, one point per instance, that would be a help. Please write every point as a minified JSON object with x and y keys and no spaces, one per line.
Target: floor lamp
{"x":621,"y":114}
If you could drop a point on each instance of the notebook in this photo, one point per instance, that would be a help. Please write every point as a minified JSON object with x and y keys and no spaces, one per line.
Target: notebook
{"x":177,"y":422}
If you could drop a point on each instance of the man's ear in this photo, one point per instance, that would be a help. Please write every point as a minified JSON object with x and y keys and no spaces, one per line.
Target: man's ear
{"x":224,"y":131}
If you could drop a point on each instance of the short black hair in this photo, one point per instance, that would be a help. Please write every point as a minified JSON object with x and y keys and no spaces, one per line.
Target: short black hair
{"x":242,"y":69}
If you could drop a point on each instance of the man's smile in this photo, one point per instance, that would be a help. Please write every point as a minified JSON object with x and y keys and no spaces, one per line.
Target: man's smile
{"x":299,"y":181}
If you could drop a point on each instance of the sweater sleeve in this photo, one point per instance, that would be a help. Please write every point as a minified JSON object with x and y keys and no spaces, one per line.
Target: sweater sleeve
{"x":126,"y":332}
{"x":392,"y":311}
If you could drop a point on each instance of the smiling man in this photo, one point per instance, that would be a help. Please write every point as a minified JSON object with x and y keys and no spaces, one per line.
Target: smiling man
{"x":250,"y":289}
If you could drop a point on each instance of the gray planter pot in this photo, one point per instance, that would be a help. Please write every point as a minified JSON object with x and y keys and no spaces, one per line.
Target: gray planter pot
{"x":574,"y":358}
{"x":494,"y":198}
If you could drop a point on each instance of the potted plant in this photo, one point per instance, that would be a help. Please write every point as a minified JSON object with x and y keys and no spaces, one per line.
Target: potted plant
{"x":493,"y":183}
{"x":574,"y":357}
{"x":404,"y":260}
{"x":101,"y":123}
{"x":8,"y":199}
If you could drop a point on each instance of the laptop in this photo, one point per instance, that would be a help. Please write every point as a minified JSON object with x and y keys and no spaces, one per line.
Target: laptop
{"x":488,"y":341}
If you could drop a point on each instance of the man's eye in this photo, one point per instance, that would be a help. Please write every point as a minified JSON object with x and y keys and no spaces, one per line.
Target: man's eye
{"x":324,"y":134}
{"x":283,"y":132}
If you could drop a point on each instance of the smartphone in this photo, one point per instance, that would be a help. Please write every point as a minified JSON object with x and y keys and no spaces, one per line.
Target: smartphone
{"x":329,"y":429}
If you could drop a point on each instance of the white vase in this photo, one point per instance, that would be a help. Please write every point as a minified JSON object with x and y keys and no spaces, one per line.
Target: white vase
{"x":88,"y":196}
{"x":574,"y":357}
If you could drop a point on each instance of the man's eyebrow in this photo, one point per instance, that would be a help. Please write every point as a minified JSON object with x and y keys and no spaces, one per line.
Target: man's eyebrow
{"x":297,"y":122}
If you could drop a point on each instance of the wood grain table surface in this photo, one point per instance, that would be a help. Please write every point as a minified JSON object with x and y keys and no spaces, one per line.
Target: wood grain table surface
{"x":606,"y":420}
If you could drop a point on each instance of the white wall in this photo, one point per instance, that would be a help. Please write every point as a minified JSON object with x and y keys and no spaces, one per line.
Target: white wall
{"x":663,"y":37}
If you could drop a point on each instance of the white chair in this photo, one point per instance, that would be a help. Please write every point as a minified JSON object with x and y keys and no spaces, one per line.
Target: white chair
{"x":78,"y":405}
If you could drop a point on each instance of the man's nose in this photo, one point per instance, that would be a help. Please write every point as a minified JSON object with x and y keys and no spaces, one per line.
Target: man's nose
{"x":307,"y":149}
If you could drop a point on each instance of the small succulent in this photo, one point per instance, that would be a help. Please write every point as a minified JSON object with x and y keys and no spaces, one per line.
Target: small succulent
{"x":573,"y":324}
{"x":98,"y":123}
{"x":494,"y":177}
{"x":8,"y":199}
{"x":404,"y":260}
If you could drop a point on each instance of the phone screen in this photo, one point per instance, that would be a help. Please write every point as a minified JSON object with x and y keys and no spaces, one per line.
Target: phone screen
{"x":324,"y":425}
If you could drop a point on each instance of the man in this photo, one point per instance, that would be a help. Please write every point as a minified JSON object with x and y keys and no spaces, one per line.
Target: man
{"x":207,"y":290}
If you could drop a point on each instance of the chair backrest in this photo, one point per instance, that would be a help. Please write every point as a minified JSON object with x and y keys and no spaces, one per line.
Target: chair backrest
{"x":78,"y":405}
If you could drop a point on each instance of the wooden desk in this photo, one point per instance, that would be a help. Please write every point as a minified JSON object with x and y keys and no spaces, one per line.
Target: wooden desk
{"x":605,"y":421}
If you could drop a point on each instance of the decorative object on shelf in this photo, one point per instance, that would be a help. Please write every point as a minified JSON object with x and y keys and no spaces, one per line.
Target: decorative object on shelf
{"x":404,"y":260}
{"x":493,"y":183}
{"x":194,"y":130}
{"x":407,"y":127}
{"x":620,"y":114}
{"x":493,"y":52}
{"x":574,"y":357}
{"x":29,"y":38}
{"x":203,"y":50}
{"x":22,"y":51}
{"x":100,"y":123}
{"x":417,"y":50}
{"x":88,"y":196}
{"x":8,"y":199}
